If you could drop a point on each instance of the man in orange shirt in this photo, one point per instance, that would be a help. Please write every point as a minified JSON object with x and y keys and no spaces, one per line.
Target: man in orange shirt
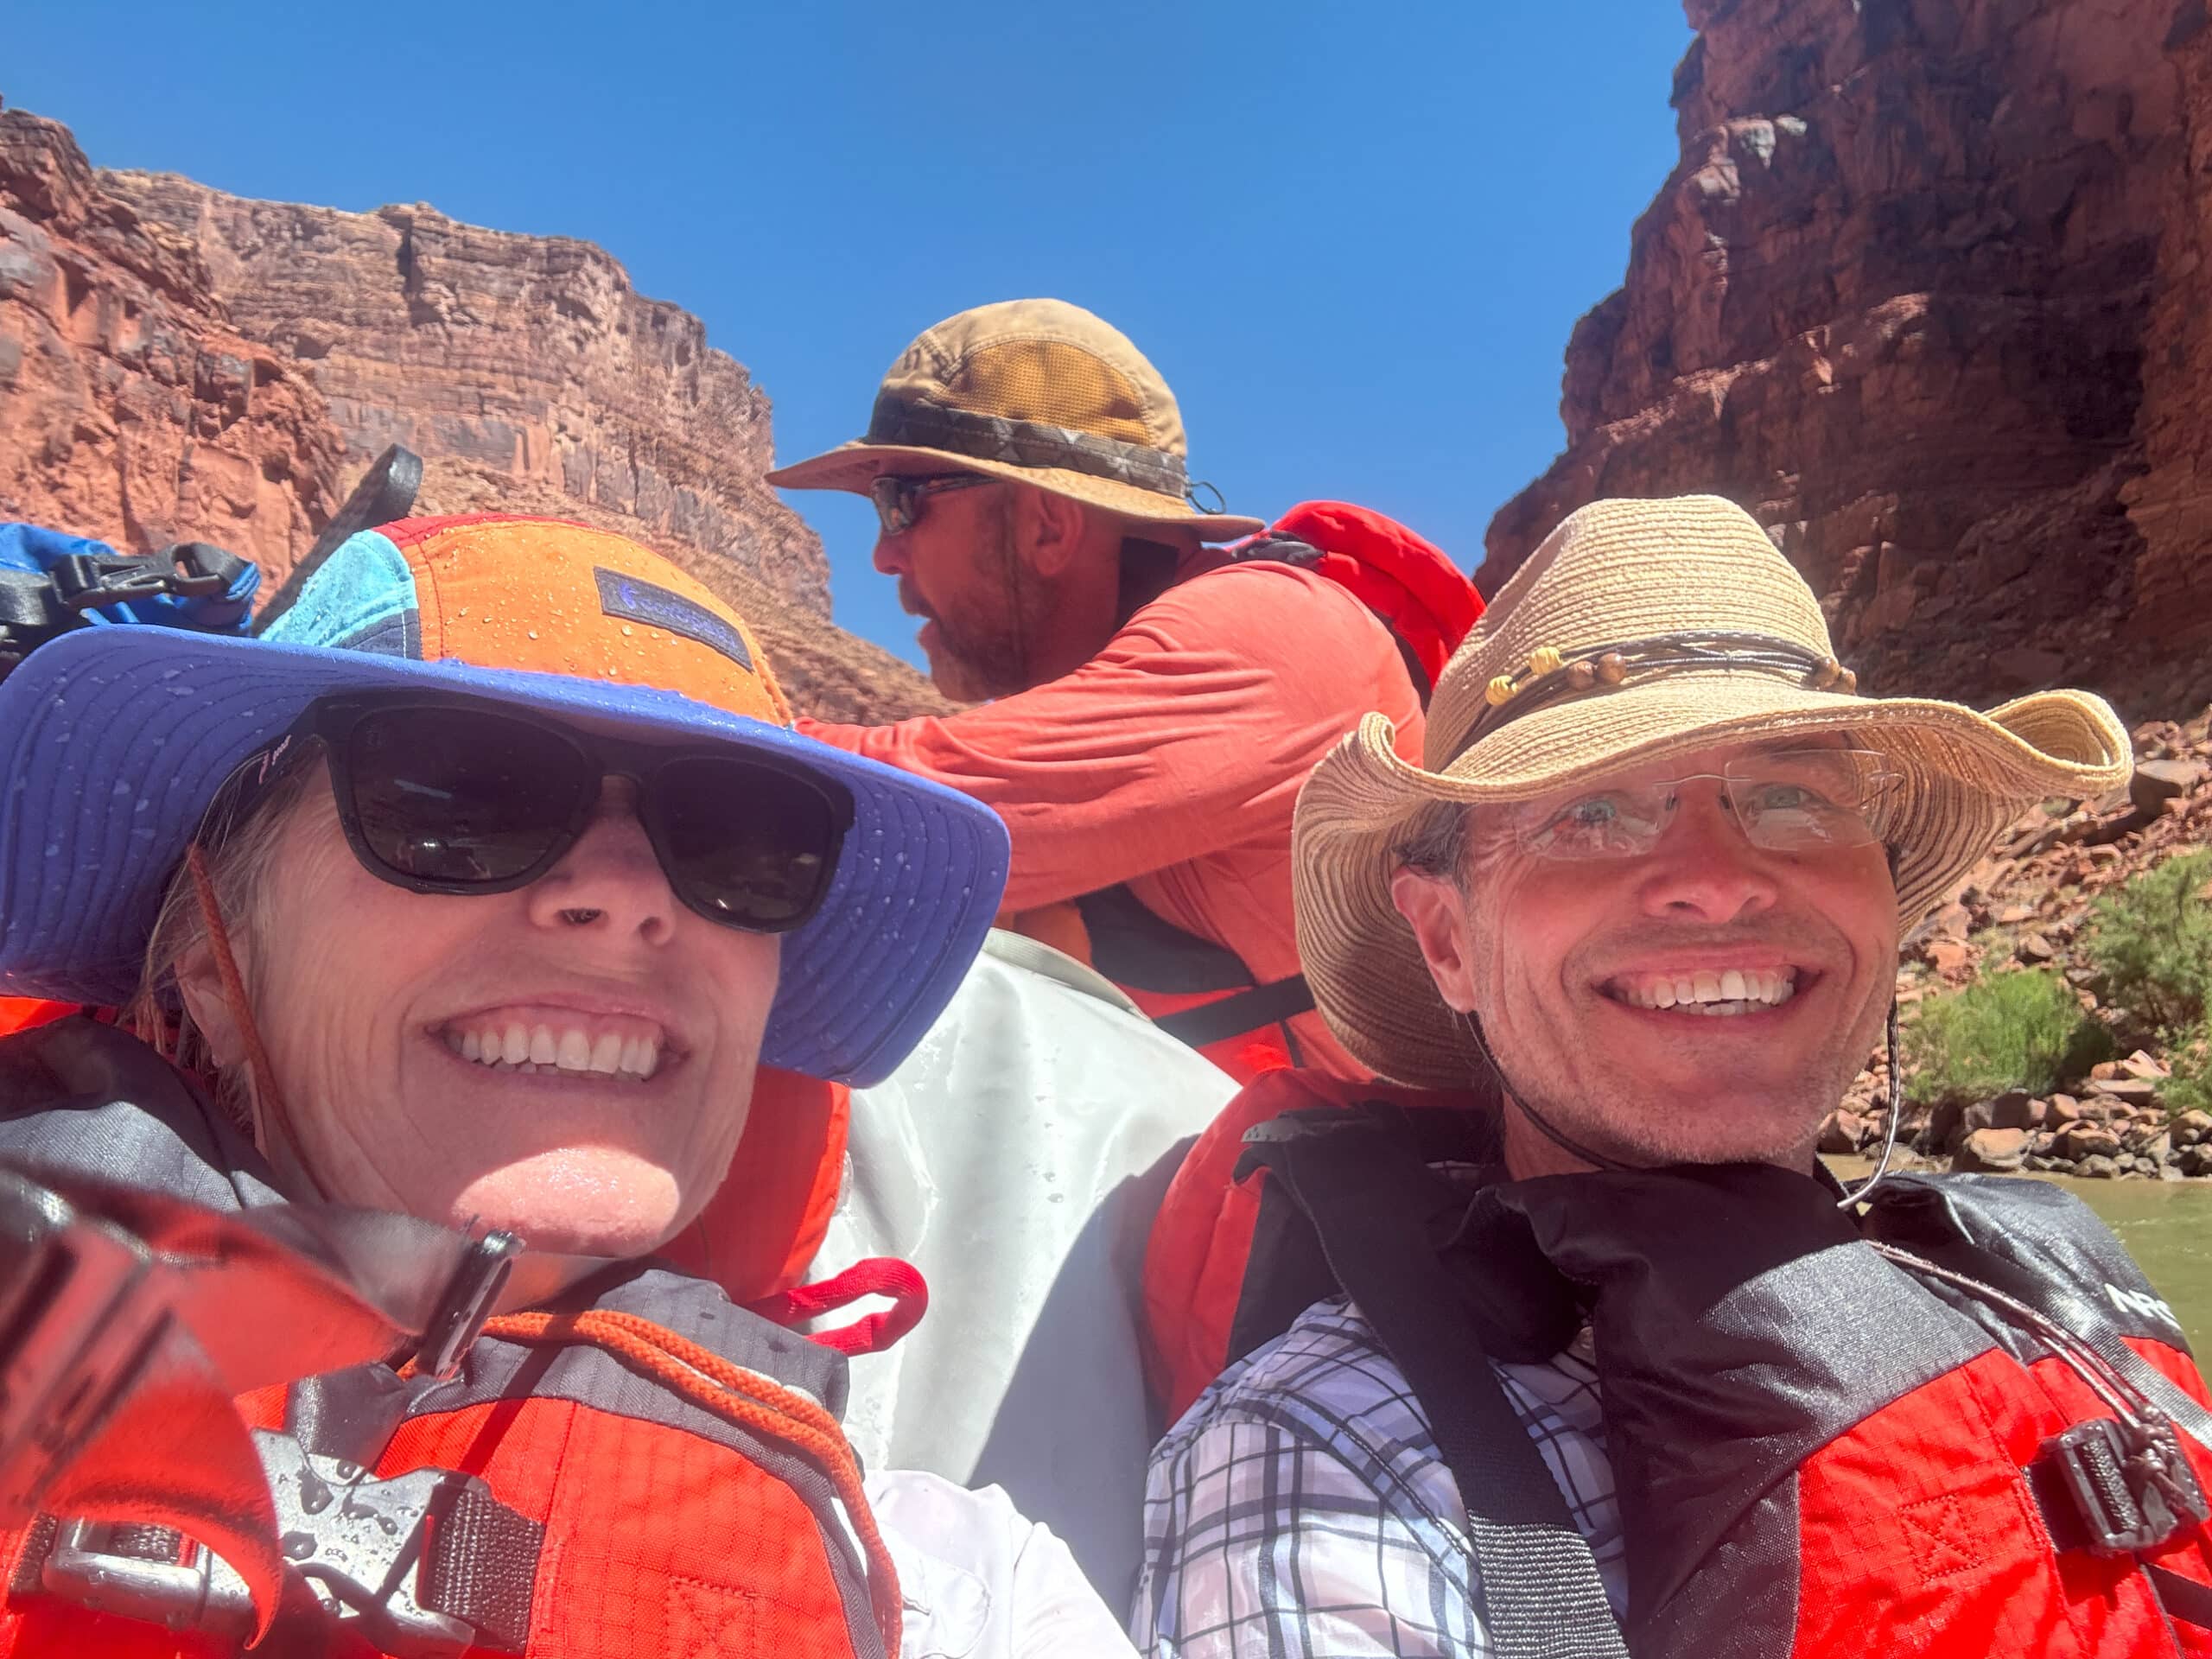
{"x":1148,"y":705}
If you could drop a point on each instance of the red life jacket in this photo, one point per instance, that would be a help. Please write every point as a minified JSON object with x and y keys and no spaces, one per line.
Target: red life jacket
{"x":602,"y":1513}
{"x":23,"y":1012}
{"x":1200,"y":992}
{"x":1196,"y":1262}
{"x":648,"y":1470}
{"x":1831,"y":1435}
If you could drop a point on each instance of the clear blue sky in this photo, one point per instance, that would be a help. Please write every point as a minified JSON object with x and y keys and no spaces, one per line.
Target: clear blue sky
{"x":1353,"y":238}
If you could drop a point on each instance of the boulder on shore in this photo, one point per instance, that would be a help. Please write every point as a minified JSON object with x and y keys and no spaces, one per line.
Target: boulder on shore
{"x":1998,"y":1152}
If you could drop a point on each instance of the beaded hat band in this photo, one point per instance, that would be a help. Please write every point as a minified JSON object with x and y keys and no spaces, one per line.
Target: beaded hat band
{"x":1549,"y":677}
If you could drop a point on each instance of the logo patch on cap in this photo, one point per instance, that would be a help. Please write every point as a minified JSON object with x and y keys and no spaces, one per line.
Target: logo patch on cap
{"x":637,"y":601}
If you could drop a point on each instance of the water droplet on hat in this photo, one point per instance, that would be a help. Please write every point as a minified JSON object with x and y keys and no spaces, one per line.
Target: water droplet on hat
{"x":533,"y":634}
{"x":54,"y":849}
{"x":626,"y":630}
{"x":122,"y":791}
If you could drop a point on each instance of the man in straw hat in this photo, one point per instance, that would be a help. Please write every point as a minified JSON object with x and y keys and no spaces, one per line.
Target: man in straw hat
{"x":1649,"y":1380}
{"x":1157,"y":703}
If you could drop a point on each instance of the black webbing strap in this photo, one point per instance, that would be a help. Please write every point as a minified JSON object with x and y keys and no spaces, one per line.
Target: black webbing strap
{"x":482,"y":1568}
{"x":1243,"y":1010}
{"x":2183,"y":1598}
{"x":1136,"y":947}
{"x":1541,"y":1597}
{"x":386,"y":492}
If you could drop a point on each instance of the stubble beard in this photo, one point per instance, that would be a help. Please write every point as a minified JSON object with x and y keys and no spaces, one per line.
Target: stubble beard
{"x":975,"y":663}
{"x":1634,"y":1126}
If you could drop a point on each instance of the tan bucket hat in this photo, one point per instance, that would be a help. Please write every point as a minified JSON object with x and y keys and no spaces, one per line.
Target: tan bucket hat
{"x":1039,"y":391}
{"x":1641,"y":629}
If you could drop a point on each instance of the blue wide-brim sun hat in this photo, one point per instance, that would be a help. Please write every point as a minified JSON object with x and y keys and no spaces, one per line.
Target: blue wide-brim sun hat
{"x":114,"y":741}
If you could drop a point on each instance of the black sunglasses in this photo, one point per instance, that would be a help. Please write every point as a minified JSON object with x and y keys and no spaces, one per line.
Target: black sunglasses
{"x":447,"y":794}
{"x":899,"y":499}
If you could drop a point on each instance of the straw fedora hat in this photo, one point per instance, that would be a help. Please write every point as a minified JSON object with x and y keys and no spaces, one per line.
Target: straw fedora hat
{"x":1039,"y":391}
{"x":1638,"y":630}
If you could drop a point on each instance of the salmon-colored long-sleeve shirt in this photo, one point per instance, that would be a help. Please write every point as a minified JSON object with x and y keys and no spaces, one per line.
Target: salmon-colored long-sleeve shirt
{"x":1172,"y":759}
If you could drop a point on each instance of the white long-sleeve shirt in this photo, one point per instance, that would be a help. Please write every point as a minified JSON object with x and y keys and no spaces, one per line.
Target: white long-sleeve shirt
{"x":980,"y":1582}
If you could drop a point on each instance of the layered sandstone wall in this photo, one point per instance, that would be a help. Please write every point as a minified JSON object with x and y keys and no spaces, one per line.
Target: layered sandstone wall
{"x":130,"y":407}
{"x":177,"y":365}
{"x":2170,"y":503}
{"x":531,"y":357}
{"x":1902,"y":297}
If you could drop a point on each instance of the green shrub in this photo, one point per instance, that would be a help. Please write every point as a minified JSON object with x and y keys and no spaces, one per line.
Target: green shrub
{"x":2023,"y":1030}
{"x":2189,"y":1089}
{"x":2151,"y":945}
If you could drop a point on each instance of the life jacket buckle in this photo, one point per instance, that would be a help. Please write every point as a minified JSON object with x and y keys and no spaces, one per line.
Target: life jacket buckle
{"x":154,"y":1573}
{"x":377,"y":1554}
{"x":427,"y":1565}
{"x":2131,"y":1484}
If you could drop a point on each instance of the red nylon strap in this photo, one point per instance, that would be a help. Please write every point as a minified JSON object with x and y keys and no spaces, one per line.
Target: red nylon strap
{"x":876,"y":1275}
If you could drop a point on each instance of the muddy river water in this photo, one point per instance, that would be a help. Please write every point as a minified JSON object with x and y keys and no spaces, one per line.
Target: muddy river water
{"x":2166,"y":1225}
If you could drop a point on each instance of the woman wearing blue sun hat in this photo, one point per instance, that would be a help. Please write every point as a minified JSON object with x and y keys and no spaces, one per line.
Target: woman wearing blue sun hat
{"x":490,"y":889}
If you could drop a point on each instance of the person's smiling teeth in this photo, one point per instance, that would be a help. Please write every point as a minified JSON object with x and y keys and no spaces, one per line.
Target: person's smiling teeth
{"x":512,"y":1046}
{"x":1727,"y":991}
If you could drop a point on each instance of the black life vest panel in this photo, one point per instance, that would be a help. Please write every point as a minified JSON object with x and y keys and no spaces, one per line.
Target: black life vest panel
{"x":1200,"y":992}
{"x":1830,"y":1432}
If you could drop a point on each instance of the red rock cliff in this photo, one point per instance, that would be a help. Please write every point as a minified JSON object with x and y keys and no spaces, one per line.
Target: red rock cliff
{"x":1923,"y":293}
{"x":180,"y":364}
{"x":130,"y":408}
{"x":528,"y":358}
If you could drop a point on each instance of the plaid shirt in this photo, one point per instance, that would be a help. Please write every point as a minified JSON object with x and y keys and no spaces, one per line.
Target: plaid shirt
{"x":1301,"y":1510}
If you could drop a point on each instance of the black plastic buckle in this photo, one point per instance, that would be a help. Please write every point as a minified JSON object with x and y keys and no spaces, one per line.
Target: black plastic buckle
{"x":2131,"y":1487}
{"x":469,"y":1297}
{"x":203,"y":570}
{"x":83,"y":581}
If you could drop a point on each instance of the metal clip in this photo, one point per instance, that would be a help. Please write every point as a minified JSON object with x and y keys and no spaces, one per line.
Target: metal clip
{"x":362,"y":1545}
{"x":366,"y":1549}
{"x":469,"y":1297}
{"x":2131,"y":1484}
{"x":148,"y":1572}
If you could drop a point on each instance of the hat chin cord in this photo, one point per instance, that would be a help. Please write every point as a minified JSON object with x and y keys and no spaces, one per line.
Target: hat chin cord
{"x":267,"y":1102}
{"x":1551,"y":1132}
{"x":1596,"y":1159}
